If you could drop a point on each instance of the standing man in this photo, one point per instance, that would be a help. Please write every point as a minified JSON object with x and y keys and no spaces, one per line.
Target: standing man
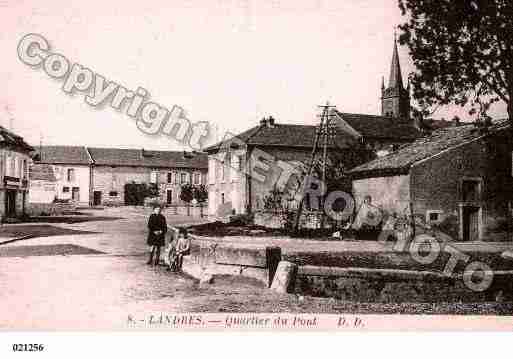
{"x":157,"y":228}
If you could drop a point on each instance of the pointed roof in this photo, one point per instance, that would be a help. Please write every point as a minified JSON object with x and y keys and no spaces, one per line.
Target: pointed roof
{"x":396,"y":79}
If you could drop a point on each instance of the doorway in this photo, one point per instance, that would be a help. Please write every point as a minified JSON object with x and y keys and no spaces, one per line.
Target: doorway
{"x":169,"y":196}
{"x":97,"y":198}
{"x":470,"y":223}
{"x":10,"y":203}
{"x":75,"y":194}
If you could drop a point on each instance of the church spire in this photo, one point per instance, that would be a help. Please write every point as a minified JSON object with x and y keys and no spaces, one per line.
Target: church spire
{"x":396,"y":79}
{"x":395,"y":99}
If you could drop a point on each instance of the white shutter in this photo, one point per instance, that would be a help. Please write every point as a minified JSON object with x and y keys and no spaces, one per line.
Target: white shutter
{"x":212,"y":170}
{"x":235,"y":166}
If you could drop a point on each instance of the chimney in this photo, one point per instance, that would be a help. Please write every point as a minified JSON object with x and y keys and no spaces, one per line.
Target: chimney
{"x":455,"y":121}
{"x":142,"y":153}
{"x":267,"y":122}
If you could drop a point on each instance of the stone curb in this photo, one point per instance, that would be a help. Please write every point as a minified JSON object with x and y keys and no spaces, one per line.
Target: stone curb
{"x":29,"y":236}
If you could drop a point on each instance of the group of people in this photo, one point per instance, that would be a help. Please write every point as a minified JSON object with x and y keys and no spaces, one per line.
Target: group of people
{"x":178,"y":246}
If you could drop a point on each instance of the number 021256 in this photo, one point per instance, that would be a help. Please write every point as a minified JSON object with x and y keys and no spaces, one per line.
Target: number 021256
{"x":28,"y":347}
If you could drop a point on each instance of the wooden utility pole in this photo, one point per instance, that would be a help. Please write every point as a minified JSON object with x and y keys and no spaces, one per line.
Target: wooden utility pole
{"x":323,"y":130}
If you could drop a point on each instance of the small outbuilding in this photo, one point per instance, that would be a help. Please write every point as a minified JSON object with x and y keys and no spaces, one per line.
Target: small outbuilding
{"x":459,"y":179}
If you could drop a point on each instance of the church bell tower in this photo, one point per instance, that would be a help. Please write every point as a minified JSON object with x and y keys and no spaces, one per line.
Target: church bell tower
{"x":395,"y":99}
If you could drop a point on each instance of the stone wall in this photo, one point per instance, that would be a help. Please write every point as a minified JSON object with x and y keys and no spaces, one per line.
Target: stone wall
{"x":208,"y":259}
{"x":38,"y":209}
{"x":392,"y":194}
{"x":367,"y":276}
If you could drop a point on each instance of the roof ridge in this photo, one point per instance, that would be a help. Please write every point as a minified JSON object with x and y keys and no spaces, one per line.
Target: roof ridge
{"x":259,"y":127}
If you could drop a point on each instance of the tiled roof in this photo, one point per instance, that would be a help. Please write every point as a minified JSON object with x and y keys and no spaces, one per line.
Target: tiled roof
{"x":146,"y":158}
{"x":41,"y":172}
{"x":76,"y":155}
{"x":8,"y":138}
{"x":286,"y":135}
{"x":381,"y":127}
{"x":440,"y":140}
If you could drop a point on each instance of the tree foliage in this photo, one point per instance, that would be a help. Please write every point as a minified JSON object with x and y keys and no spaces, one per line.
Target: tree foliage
{"x":462,"y":50}
{"x":187,"y":193}
{"x":200,"y":193}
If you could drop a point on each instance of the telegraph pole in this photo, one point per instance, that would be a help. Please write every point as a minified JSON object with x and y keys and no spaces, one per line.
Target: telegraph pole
{"x":322,"y":134}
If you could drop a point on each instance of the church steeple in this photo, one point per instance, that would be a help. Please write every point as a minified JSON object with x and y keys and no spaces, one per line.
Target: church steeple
{"x":396,"y":79}
{"x":395,"y":99}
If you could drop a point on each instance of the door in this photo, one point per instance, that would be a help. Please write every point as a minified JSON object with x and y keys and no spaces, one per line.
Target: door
{"x":10,"y":203}
{"x":470,"y":223}
{"x":75,"y":194}
{"x":97,"y":198}
{"x":169,"y":198}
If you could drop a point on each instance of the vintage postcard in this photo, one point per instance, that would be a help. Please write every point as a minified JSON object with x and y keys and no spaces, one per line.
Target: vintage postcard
{"x":266,"y":165}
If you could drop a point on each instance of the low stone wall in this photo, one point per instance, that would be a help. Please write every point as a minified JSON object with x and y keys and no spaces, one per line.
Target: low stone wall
{"x":371,"y":276}
{"x":193,"y":210}
{"x":396,"y":286}
{"x":209,"y":258}
{"x":52,"y":209}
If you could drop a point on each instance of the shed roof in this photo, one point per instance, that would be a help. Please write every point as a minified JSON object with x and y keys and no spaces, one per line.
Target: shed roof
{"x":440,"y":140}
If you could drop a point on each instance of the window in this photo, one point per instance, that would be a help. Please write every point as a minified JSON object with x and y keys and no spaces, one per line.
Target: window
{"x":75,"y":193}
{"x":197,"y":178}
{"x":153,"y":176}
{"x":470,"y":190}
{"x":169,"y":196}
{"x":70,"y":175}
{"x":13,"y":167}
{"x":222,"y":198}
{"x":25,"y":168}
{"x":169,"y":177}
{"x":222,"y":172}
{"x":65,"y":189}
{"x":8,"y":165}
{"x":234,"y":171}
{"x":183,"y":178}
{"x":434,"y":216}
{"x":211,"y":170}
{"x":113,"y":194}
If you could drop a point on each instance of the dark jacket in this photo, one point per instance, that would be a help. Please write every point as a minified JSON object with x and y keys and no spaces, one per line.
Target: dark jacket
{"x":157,"y":222}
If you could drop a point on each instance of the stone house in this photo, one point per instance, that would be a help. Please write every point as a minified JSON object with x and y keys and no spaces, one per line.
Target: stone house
{"x":459,"y":179}
{"x":14,"y":169}
{"x":71,"y":166}
{"x":244,"y":169}
{"x":113,"y":168}
{"x":43,"y":184}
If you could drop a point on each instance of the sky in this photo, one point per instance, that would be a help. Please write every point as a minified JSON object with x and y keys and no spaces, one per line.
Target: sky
{"x":228,"y":62}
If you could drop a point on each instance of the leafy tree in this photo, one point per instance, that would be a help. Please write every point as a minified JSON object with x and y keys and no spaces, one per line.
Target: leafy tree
{"x":200,"y":193}
{"x":274,"y":200}
{"x":463,"y":52}
{"x":186,"y":193}
{"x":152,"y":190}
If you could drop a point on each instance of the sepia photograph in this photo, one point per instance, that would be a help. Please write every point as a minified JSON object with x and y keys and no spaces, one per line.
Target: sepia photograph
{"x":272,"y":165}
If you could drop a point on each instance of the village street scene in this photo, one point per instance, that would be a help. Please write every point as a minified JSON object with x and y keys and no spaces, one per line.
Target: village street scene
{"x":390,"y":198}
